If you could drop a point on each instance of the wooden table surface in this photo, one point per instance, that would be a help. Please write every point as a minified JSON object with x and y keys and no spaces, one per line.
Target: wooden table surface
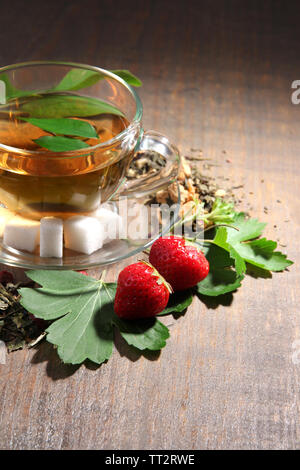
{"x":217,"y":76}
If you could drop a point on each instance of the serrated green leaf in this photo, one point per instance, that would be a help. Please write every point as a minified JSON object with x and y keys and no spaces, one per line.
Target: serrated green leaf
{"x":62,"y":281}
{"x":261,"y":253}
{"x":242,"y":248}
{"x":64,"y":126}
{"x":143,"y":334}
{"x":61,"y":106}
{"x":247,"y":229}
{"x":85,"y":306}
{"x":221,"y":240}
{"x":45,"y":305}
{"x":239,"y":262}
{"x":178,"y":302}
{"x":60,"y":144}
{"x":222,"y":212}
{"x":219,"y":281}
{"x":86,"y":332}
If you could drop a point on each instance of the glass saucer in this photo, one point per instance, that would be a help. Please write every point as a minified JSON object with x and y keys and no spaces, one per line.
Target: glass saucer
{"x":157,"y":221}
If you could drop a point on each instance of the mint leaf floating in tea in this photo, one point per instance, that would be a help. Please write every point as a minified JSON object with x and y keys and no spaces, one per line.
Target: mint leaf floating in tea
{"x":53,"y":105}
{"x":11,"y":91}
{"x":61,"y":106}
{"x":70,"y":127}
{"x":81,"y":309}
{"x":76,"y":79}
{"x":60,"y":144}
{"x":128,"y":77}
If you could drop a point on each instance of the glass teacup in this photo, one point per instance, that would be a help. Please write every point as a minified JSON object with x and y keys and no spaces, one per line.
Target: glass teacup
{"x":37,"y":182}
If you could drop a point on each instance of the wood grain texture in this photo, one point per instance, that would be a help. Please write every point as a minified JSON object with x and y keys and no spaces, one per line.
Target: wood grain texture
{"x":217,"y":75}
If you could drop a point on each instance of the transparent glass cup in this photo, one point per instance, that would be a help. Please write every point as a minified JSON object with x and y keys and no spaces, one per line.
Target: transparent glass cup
{"x":35,"y":182}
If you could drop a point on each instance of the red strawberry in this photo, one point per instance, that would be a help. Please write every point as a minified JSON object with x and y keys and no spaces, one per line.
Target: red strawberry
{"x":182,"y":265}
{"x":141,"y":292}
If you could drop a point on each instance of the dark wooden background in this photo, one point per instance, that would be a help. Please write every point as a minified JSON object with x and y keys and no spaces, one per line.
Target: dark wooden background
{"x":217,"y":75}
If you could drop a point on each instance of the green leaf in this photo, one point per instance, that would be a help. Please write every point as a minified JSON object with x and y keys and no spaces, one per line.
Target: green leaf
{"x":68,"y":282}
{"x":77,"y":79}
{"x":60,"y":106}
{"x":239,"y":263}
{"x":84,"y":318}
{"x":221,"y":278}
{"x":222,"y":212}
{"x":178,"y":302}
{"x":11,"y":91}
{"x":261,"y":253}
{"x":247,"y":229}
{"x":128,"y":77}
{"x":221,"y":240}
{"x":242,"y":248}
{"x":45,"y":305}
{"x":60,"y":291}
{"x":86,"y":332}
{"x":64,"y":126}
{"x":143,"y":334}
{"x":60,"y":144}
{"x":216,"y":256}
{"x":219,"y":281}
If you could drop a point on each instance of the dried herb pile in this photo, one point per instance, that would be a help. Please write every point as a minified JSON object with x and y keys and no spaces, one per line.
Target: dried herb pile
{"x":193,"y":182}
{"x":18,"y":328}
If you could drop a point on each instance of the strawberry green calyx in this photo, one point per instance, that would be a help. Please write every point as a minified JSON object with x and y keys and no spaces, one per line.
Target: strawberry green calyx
{"x":161,"y":279}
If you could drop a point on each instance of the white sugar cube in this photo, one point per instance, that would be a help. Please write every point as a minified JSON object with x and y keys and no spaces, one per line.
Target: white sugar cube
{"x":22,"y":233}
{"x":83,"y":234}
{"x":112,"y":223}
{"x":5,"y":216}
{"x":51,"y":237}
{"x":87,"y":202}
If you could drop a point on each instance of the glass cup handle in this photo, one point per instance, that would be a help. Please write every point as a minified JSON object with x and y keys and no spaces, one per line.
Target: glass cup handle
{"x":153,"y":142}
